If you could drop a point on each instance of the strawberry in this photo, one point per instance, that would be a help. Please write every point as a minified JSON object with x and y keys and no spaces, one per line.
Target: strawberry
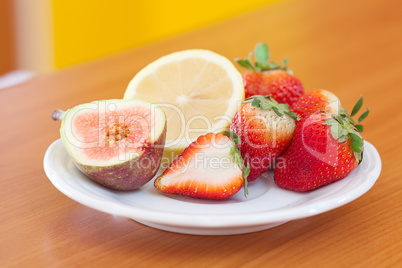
{"x":265,"y":129}
{"x":325,"y":148}
{"x":316,"y":100}
{"x":210,"y":168}
{"x":269,"y":78}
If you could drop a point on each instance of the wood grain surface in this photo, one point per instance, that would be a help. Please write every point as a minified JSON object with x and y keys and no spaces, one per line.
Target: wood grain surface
{"x":348,"y":47}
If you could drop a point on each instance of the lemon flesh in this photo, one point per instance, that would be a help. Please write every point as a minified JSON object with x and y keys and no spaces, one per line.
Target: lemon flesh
{"x":199,"y":91}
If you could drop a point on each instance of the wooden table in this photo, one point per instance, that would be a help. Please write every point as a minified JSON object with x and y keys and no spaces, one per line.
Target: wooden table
{"x":348,"y":47}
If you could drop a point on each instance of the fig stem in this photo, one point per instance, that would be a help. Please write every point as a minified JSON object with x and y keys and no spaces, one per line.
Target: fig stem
{"x":58,"y":115}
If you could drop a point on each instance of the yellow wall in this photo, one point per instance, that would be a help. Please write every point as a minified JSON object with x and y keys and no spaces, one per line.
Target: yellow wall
{"x":84,"y":30}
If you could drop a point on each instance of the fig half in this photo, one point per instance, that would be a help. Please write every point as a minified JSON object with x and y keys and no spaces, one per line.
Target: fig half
{"x":117,"y":143}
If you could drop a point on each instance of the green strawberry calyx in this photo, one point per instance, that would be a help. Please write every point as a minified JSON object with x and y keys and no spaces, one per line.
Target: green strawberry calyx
{"x":269,"y":103}
{"x":237,"y":159}
{"x":343,"y":113}
{"x":261,"y":64}
{"x":343,"y":127}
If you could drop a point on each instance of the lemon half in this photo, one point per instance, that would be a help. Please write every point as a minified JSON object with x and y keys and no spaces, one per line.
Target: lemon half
{"x":199,"y":91}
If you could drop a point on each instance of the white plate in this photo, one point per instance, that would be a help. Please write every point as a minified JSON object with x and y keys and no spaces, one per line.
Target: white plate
{"x":265,"y":207}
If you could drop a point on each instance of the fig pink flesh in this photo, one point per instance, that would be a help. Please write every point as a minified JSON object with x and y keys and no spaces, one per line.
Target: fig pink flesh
{"x":116,"y":132}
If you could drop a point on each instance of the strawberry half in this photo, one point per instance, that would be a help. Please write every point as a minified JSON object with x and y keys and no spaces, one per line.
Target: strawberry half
{"x":325,"y":148}
{"x":210,"y":168}
{"x":316,"y":100}
{"x":265,"y":129}
{"x":269,"y":78}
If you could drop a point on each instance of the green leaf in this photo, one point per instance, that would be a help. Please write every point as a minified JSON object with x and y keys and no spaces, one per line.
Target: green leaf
{"x":269,"y":98}
{"x":256,"y":102}
{"x":343,"y":138}
{"x":363,"y":116}
{"x":359,"y":157}
{"x":284,"y":107}
{"x":336,"y":131}
{"x":355,"y":148}
{"x":250,"y":55}
{"x":356,"y":143}
{"x":356,"y":139}
{"x":246,"y":172}
{"x":359,"y":128}
{"x":330,"y":121}
{"x":232,"y":135}
{"x":292,"y":115}
{"x":266,"y":66}
{"x":262,"y":65}
{"x":337,"y":118}
{"x":357,"y":106}
{"x":238,"y":159}
{"x":265,"y":106}
{"x":285,"y":63}
{"x":246,"y":64}
{"x":343,"y":113}
{"x":273,"y":65}
{"x":276,"y":110}
{"x":261,"y":53}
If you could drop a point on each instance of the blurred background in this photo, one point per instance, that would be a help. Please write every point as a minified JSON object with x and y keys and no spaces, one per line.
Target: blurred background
{"x":44,"y":35}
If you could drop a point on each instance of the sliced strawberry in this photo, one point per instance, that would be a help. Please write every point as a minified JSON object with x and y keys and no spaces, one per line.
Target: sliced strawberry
{"x":210,"y":168}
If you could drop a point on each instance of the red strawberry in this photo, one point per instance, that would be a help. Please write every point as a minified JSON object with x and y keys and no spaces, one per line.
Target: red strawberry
{"x":325,"y":148}
{"x":316,"y":100}
{"x":265,"y":129}
{"x":269,"y":78}
{"x":210,"y":168}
